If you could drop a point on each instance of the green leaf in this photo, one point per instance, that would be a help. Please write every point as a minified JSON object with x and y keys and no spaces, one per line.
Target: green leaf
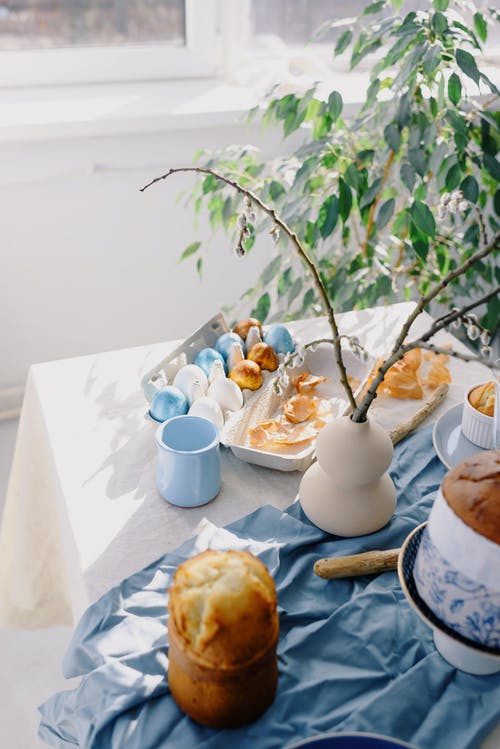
{"x":322,"y":126}
{"x":453,"y":177}
{"x":345,"y":199}
{"x":403,"y":114}
{"x":443,"y":259}
{"x":375,"y":7}
{"x":276,"y":190}
{"x":421,"y":246}
{"x":343,"y":42}
{"x":209,"y":184}
{"x":480,"y":26}
{"x":372,"y":91}
{"x":467,"y":64}
{"x":271,"y":270}
{"x":286,"y":105}
{"x":496,"y":202}
{"x":470,"y":188}
{"x":439,"y":22}
{"x":308,"y":300}
{"x":370,"y":194}
{"x":392,"y":137}
{"x":190,"y":250}
{"x":454,"y":88}
{"x":199,"y":266}
{"x":335,"y":105}
{"x":295,"y":290}
{"x":457,"y":122}
{"x":431,"y":59}
{"x":328,"y":216}
{"x":311,"y":233}
{"x":293,"y":121}
{"x":362,"y":48}
{"x":385,"y":213}
{"x":492,"y":166}
{"x":440,"y":4}
{"x":352,"y":176}
{"x":261,"y":311}
{"x":418,"y":161}
{"x":408,"y":176}
{"x":419,"y":241}
{"x":314,"y":109}
{"x":285,"y":282}
{"x":423,"y":218}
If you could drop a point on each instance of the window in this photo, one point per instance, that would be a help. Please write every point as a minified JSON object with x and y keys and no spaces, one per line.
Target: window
{"x":86,"y":41}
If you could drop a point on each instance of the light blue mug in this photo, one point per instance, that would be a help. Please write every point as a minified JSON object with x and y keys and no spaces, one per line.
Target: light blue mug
{"x":188,"y":461}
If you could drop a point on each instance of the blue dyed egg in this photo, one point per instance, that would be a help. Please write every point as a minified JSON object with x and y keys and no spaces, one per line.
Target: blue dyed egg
{"x":167,"y":403}
{"x":206,"y":357}
{"x":224,"y":342}
{"x":279,"y":338}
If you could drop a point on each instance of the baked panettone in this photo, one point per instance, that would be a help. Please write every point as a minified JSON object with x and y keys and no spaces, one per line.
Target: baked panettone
{"x":472,"y":490}
{"x":223,"y":630}
{"x":482,"y":398}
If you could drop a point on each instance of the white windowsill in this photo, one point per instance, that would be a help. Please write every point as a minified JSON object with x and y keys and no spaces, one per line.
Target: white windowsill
{"x":88,"y":111}
{"x":96,"y":110}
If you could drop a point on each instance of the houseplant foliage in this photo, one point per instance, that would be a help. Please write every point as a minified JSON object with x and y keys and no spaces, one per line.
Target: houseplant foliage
{"x":363,"y":194}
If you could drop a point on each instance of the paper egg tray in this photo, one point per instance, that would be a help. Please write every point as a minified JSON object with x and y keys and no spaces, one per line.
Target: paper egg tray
{"x":263,"y":403}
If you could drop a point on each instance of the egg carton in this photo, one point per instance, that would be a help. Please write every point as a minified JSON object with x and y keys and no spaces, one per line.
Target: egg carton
{"x":263,"y":403}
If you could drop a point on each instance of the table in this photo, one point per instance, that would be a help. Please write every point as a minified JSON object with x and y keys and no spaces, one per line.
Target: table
{"x":82,"y":509}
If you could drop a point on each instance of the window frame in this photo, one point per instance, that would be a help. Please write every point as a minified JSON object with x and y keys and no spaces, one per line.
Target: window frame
{"x":198,"y":58}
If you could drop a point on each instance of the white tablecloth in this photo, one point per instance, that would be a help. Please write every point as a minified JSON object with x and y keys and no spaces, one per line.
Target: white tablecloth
{"x":82,"y":509}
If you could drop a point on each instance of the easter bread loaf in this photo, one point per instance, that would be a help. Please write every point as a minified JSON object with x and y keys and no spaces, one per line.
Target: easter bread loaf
{"x":223,"y":629}
{"x":472,"y":490}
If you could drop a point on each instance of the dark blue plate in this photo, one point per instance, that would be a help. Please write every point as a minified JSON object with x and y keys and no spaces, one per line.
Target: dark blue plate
{"x":351,"y":741}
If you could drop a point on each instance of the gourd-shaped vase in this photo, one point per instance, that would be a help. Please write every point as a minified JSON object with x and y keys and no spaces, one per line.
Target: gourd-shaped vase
{"x":347,"y":492}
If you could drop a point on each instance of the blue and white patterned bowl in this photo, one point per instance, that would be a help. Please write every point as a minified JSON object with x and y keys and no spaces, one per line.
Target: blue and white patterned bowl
{"x":468,"y":607}
{"x":461,"y":652}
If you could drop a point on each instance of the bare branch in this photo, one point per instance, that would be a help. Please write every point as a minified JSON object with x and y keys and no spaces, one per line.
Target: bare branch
{"x":444,"y":321}
{"x":300,"y":251}
{"x":449,"y":352}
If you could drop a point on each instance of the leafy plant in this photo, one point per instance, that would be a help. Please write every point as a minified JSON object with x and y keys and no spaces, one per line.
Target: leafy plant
{"x":363,"y":193}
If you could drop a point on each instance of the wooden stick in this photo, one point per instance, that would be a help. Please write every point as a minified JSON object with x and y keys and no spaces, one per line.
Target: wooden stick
{"x":405,"y":427}
{"x":369,"y":563}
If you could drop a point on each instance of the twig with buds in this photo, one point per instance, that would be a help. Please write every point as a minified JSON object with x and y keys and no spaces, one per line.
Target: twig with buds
{"x":251,"y":199}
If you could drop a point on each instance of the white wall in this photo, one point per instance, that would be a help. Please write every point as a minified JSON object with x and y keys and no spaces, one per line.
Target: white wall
{"x":88,"y":263}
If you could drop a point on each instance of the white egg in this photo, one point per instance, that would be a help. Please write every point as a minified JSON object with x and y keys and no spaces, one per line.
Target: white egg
{"x":208,"y":408}
{"x":216,"y":372}
{"x":235,"y":356}
{"x":227,"y":394}
{"x":196,"y":391}
{"x":253,"y":337}
{"x":186,"y":376}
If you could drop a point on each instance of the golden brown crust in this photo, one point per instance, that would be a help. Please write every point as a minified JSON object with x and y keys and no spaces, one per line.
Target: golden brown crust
{"x":472,"y":490}
{"x":224,"y":607}
{"x":223,"y":630}
{"x":482,"y":398}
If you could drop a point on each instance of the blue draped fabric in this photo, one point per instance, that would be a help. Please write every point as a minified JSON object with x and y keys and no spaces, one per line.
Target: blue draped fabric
{"x":353,"y":655}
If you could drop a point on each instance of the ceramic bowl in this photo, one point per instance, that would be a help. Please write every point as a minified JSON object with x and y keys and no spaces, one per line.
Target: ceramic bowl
{"x":456,"y":599}
{"x":456,"y":575}
{"x":476,"y":426}
{"x":350,"y":741}
{"x":461,"y":652}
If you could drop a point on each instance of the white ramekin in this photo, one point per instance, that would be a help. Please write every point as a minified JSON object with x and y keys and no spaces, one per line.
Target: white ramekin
{"x":476,"y":426}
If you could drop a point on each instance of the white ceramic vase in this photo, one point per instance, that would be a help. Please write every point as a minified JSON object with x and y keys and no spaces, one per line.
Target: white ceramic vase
{"x":347,"y":492}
